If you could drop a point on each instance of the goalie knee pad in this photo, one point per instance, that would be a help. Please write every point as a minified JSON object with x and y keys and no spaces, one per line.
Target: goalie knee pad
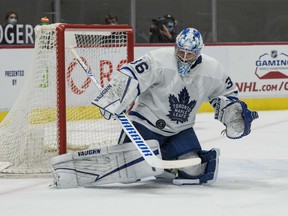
{"x":209,"y":165}
{"x":193,"y":171}
{"x":110,"y":164}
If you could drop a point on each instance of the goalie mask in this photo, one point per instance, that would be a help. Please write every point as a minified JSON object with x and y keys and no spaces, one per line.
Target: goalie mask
{"x":188,"y":49}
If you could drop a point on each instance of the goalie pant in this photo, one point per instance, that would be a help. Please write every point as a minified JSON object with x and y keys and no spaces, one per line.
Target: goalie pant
{"x":105,"y":165}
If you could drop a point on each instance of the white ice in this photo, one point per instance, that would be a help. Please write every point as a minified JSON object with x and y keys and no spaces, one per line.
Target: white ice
{"x":252,"y":181}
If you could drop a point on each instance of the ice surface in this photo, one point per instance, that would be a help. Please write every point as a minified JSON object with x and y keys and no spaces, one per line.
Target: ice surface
{"x":252,"y":181}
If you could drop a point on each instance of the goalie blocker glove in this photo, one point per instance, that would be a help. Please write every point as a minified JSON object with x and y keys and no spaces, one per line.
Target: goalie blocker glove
{"x":118,"y":95}
{"x":235,"y":115}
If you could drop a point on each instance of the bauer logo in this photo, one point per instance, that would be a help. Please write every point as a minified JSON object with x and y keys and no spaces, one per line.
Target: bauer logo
{"x":273,"y":65}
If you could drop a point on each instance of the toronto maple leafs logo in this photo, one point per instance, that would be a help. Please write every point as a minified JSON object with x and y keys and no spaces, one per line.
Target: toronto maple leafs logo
{"x":180,"y":108}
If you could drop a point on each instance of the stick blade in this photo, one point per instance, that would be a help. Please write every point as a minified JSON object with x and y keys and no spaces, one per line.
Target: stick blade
{"x":174,"y":164}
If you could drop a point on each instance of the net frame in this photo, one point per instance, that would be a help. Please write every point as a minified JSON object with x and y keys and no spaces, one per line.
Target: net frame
{"x":61,"y":88}
{"x":61,"y":93}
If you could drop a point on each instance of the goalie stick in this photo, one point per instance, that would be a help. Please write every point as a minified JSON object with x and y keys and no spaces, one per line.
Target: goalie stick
{"x":134,"y":135}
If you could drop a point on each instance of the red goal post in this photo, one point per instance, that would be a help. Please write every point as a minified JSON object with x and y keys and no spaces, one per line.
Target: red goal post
{"x":53,"y":113}
{"x":66,"y":28}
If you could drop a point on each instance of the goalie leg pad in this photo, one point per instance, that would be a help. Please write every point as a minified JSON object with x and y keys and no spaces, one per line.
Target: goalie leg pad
{"x":64,"y":178}
{"x":192,"y":171}
{"x":110,"y":164}
{"x":210,"y":161}
{"x":189,"y":172}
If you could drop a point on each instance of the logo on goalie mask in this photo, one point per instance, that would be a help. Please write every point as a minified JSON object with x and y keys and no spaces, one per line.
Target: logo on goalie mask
{"x":181,"y":108}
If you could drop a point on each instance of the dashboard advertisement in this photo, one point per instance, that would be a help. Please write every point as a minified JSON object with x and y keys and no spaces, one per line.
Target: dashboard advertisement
{"x":259,"y":71}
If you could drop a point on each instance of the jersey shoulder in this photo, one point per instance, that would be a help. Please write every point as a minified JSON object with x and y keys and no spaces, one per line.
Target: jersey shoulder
{"x":162,"y":58}
{"x":210,"y":61}
{"x":209,"y":67}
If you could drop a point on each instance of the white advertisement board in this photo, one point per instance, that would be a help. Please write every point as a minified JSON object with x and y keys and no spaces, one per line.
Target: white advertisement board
{"x":259,"y":71}
{"x":15,"y":66}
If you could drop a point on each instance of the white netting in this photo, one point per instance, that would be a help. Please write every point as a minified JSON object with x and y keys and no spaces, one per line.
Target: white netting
{"x":29,"y":133}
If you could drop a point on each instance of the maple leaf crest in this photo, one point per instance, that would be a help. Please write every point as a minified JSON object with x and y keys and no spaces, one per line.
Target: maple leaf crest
{"x":181,"y":107}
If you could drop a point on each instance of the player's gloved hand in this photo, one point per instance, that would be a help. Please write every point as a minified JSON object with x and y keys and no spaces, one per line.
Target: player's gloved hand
{"x":108,"y":102}
{"x":235,"y":115}
{"x":117,"y":96}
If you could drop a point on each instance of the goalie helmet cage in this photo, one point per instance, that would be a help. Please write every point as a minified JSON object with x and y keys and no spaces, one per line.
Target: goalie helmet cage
{"x":53,"y":114}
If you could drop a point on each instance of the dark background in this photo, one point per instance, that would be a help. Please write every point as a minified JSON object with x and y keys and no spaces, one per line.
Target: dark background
{"x":235,"y":20}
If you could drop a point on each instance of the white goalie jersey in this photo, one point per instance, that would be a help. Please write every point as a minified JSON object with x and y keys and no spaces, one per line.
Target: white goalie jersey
{"x":168,"y":102}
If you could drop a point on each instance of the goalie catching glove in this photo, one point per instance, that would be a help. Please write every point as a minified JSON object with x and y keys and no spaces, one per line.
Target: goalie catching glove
{"x":235,"y":115}
{"x":118,"y":95}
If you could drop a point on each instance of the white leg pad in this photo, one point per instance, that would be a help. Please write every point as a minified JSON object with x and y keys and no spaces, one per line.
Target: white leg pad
{"x":64,"y":178}
{"x":110,"y":164}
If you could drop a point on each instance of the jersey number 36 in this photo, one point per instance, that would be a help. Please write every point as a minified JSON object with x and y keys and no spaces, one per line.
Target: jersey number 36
{"x":140,"y":66}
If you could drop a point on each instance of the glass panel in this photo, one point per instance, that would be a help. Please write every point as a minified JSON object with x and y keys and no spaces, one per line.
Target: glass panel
{"x":196,"y":13}
{"x":237,"y":20}
{"x":252,"y":20}
{"x":94,"y":11}
{"x":29,"y":15}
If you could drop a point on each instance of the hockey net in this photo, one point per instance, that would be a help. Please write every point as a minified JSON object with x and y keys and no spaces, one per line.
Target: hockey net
{"x":53,"y":114}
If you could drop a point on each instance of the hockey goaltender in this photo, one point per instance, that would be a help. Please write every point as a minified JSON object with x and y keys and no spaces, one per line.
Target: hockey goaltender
{"x":167,"y":87}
